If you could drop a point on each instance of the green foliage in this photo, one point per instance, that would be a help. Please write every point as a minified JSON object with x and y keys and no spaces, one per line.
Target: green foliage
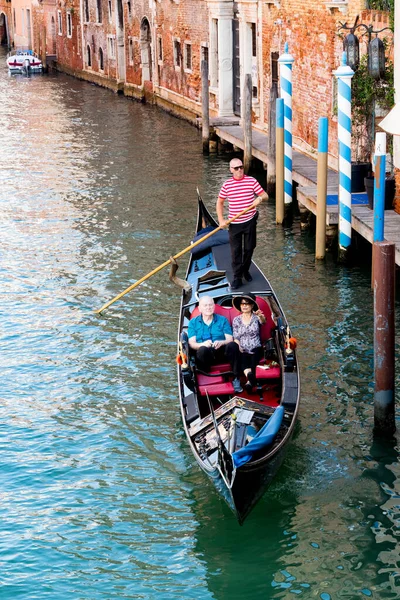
{"x":367,"y":93}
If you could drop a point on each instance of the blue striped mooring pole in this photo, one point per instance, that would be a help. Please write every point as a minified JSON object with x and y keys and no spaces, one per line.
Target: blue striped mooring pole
{"x":286,"y":61}
{"x":379,"y":187}
{"x":322,"y":180}
{"x":279,"y":162}
{"x":344,"y":74}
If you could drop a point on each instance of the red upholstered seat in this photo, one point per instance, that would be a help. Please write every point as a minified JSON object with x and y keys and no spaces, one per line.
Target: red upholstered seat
{"x":205,"y":380}
{"x":217,"y":389}
{"x":266,"y":371}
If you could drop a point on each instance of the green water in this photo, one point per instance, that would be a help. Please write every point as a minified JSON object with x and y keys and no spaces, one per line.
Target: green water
{"x":100,"y":496}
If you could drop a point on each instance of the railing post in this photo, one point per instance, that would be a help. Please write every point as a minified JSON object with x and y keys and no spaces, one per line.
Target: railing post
{"x":322,"y":179}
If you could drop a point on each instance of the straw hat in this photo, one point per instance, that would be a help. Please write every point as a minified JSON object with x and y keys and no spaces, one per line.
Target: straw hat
{"x":250,"y":297}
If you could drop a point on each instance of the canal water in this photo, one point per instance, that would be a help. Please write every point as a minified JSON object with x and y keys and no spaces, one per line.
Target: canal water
{"x":100,"y":496}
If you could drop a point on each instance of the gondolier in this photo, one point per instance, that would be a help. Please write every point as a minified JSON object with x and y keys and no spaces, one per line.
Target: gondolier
{"x":241,"y":191}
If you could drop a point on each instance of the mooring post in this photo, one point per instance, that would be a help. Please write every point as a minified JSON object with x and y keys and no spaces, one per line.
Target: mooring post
{"x":205,"y":107}
{"x":247,"y":129}
{"x":279,"y":161}
{"x":271,"y":170}
{"x":286,"y":61}
{"x":384,"y":336}
{"x":379,"y":187}
{"x":322,"y":182}
{"x":344,"y":74}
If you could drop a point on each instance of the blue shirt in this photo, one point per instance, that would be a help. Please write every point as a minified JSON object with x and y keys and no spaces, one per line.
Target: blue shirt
{"x":215,"y":331}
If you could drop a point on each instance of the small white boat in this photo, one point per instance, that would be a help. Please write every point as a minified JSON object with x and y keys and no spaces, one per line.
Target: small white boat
{"x":24,"y":61}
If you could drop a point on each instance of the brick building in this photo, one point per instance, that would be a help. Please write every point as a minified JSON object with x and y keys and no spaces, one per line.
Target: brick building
{"x":152,"y":49}
{"x":6,"y":29}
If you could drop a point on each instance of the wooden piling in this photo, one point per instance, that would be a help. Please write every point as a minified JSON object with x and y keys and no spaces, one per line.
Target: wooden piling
{"x":247,"y":129}
{"x":205,"y":107}
{"x":271,"y":148}
{"x":322,"y":182}
{"x":384,"y":337}
{"x":279,"y":161}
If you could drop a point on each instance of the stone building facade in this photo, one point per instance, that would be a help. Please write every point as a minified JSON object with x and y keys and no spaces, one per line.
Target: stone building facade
{"x":6,"y":25}
{"x":152,"y":50}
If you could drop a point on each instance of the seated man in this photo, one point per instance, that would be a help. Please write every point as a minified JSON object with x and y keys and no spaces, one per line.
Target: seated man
{"x":210,"y":335}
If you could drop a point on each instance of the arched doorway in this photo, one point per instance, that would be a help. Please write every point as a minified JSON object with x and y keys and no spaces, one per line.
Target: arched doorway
{"x":4,"y":38}
{"x":145,"y":48}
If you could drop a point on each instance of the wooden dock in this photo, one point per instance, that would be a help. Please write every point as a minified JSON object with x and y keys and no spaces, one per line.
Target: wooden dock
{"x":305,"y":174}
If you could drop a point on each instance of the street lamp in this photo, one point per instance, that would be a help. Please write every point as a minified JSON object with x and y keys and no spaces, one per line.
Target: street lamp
{"x":376,"y":48}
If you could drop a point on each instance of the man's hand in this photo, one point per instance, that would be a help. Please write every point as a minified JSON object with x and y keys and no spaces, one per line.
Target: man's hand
{"x":222,"y":223}
{"x":218,"y":344}
{"x":207,"y":344}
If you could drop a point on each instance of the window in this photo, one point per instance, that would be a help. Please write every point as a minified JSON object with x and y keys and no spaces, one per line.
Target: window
{"x":177,"y":53}
{"x":99,"y":11}
{"x":111,"y":47}
{"x":188,"y":57}
{"x":274,"y":67}
{"x":14,"y":18}
{"x":159,"y":49}
{"x":101,"y":59}
{"x":110,"y":10}
{"x":131,"y":51}
{"x":86,"y":10}
{"x":59,"y":20}
{"x":69,"y":25}
{"x":88,"y":56}
{"x":129,"y":5}
{"x":254,"y":39}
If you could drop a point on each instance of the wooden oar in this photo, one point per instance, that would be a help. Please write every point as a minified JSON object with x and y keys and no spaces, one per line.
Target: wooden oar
{"x":167,"y":262}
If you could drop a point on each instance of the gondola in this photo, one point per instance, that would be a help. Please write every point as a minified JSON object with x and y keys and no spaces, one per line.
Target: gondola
{"x":239,"y":440}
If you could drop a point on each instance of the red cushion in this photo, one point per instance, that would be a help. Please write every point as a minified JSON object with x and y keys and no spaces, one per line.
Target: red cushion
{"x":269,"y":325}
{"x":218,"y":389}
{"x":270,"y":373}
{"x":224,"y":368}
{"x":205,"y":380}
{"x":225,"y":311}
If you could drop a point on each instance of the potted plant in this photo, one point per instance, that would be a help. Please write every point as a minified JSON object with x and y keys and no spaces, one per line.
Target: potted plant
{"x":368,"y":96}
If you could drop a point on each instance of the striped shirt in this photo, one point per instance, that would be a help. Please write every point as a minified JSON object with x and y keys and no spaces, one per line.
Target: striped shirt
{"x":241,"y":194}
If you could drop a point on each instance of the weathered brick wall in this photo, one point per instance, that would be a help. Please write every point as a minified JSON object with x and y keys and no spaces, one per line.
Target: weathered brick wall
{"x":396,"y":203}
{"x":188,"y":22}
{"x":5,"y":9}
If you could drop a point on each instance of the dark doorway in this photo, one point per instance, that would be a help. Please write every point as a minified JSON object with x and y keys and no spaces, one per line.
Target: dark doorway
{"x":236,"y":68}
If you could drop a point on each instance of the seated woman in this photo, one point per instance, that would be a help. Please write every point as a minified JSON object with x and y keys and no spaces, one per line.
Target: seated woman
{"x":246,"y":333}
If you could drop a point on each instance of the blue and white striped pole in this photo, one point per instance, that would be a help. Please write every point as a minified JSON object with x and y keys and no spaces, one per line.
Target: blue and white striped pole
{"x":280,"y":160}
{"x":286,"y":61}
{"x":379,"y":187}
{"x":344,"y":74}
{"x":322,"y":180}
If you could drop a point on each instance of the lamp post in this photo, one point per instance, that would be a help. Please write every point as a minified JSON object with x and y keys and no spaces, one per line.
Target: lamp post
{"x":376,"y":49}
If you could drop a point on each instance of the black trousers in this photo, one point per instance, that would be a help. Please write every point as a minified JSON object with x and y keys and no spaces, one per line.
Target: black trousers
{"x":243,"y":240}
{"x":250,"y":361}
{"x":205,"y":357}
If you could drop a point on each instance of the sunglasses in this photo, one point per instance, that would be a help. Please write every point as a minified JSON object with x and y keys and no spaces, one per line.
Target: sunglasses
{"x":237,"y":168}
{"x":244,"y":303}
